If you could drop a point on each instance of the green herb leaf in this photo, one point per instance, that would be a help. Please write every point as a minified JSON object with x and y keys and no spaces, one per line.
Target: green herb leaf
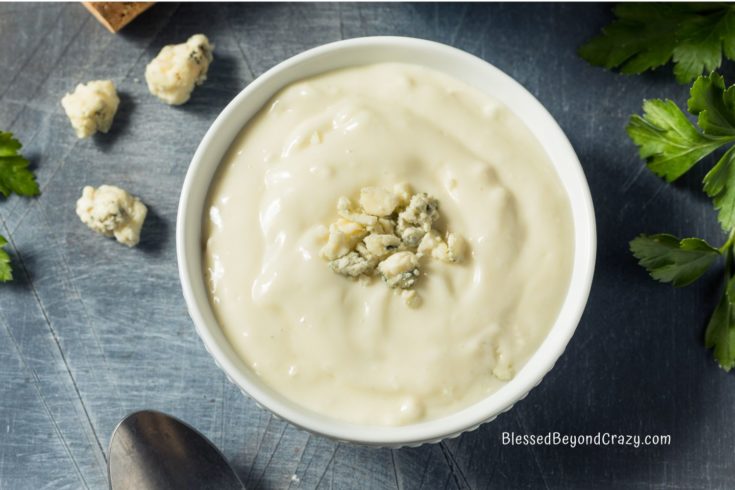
{"x":668,"y":259}
{"x":6,"y":272}
{"x":645,"y":36}
{"x":719,"y":184}
{"x":668,"y":140}
{"x":720,"y":333}
{"x":640,"y":39}
{"x":713,"y":105}
{"x":14,"y":173}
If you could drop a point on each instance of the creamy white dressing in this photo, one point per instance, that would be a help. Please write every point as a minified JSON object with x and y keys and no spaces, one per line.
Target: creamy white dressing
{"x":350,"y":349}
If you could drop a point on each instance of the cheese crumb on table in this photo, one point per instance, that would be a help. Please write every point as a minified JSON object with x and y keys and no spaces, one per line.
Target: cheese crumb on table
{"x":111,"y":211}
{"x":387,"y":235}
{"x":178,"y":68}
{"x":91,"y":107}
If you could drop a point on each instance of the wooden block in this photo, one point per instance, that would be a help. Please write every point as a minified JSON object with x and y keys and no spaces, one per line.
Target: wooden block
{"x":116,"y":15}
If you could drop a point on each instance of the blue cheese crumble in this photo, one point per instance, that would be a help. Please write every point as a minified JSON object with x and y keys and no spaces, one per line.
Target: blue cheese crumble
{"x":112,"y":212}
{"x":400,"y":270}
{"x":172,"y":75}
{"x":387,"y":235}
{"x":91,"y":107}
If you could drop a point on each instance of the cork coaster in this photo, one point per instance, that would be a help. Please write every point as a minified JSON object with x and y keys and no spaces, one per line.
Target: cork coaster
{"x":116,"y":15}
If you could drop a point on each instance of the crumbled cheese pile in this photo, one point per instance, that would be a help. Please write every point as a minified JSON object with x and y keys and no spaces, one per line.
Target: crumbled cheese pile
{"x":388,"y":235}
{"x":111,"y":211}
{"x":178,"y":68}
{"x":91,"y":107}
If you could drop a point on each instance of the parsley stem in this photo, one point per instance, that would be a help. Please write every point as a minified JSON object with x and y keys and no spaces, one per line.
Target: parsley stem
{"x":728,"y":251}
{"x":728,"y":244}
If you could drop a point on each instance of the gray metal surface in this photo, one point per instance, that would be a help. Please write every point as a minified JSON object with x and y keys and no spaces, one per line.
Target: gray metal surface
{"x":91,"y":330}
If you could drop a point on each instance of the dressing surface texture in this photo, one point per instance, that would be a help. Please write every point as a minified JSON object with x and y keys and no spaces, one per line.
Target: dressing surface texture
{"x":354,"y":350}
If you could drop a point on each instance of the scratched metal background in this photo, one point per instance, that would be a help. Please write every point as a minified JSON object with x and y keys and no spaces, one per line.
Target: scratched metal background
{"x":91,"y":330}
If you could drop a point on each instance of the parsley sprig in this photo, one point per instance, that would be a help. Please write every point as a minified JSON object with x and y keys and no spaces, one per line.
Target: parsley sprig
{"x":672,"y":144}
{"x":645,"y":36}
{"x":15,"y":177}
{"x":6,"y":271}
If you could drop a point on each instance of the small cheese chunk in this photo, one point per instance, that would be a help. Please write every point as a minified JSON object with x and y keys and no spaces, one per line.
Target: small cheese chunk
{"x":111,"y":211}
{"x":432,"y":245}
{"x":178,"y":68}
{"x":421,"y":212}
{"x":336,"y":246}
{"x":343,"y":236}
{"x":457,"y":247}
{"x":403,"y":193}
{"x":411,"y":235}
{"x":381,"y":245}
{"x":503,"y":369}
{"x":344,"y":209}
{"x":91,"y":107}
{"x":377,"y":201}
{"x":383,"y":226}
{"x":411,"y":298}
{"x":353,"y":265}
{"x":400,"y":270}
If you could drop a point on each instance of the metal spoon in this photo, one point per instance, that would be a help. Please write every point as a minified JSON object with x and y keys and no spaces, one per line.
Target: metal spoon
{"x":150,"y":450}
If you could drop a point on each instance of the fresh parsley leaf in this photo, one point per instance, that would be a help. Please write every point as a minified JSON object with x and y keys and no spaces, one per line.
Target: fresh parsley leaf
{"x":14,"y":173}
{"x":720,"y":333}
{"x":6,"y":272}
{"x":713,"y":105}
{"x":639,"y":39}
{"x":645,"y":36}
{"x":668,"y":140}
{"x":14,"y":177}
{"x":668,"y":259}
{"x":719,"y":184}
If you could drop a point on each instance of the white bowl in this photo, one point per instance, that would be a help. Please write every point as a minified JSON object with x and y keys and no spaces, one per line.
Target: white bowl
{"x":462,"y":66}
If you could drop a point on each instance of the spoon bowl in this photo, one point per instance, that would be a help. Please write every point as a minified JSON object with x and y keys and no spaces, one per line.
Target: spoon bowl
{"x":150,"y":450}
